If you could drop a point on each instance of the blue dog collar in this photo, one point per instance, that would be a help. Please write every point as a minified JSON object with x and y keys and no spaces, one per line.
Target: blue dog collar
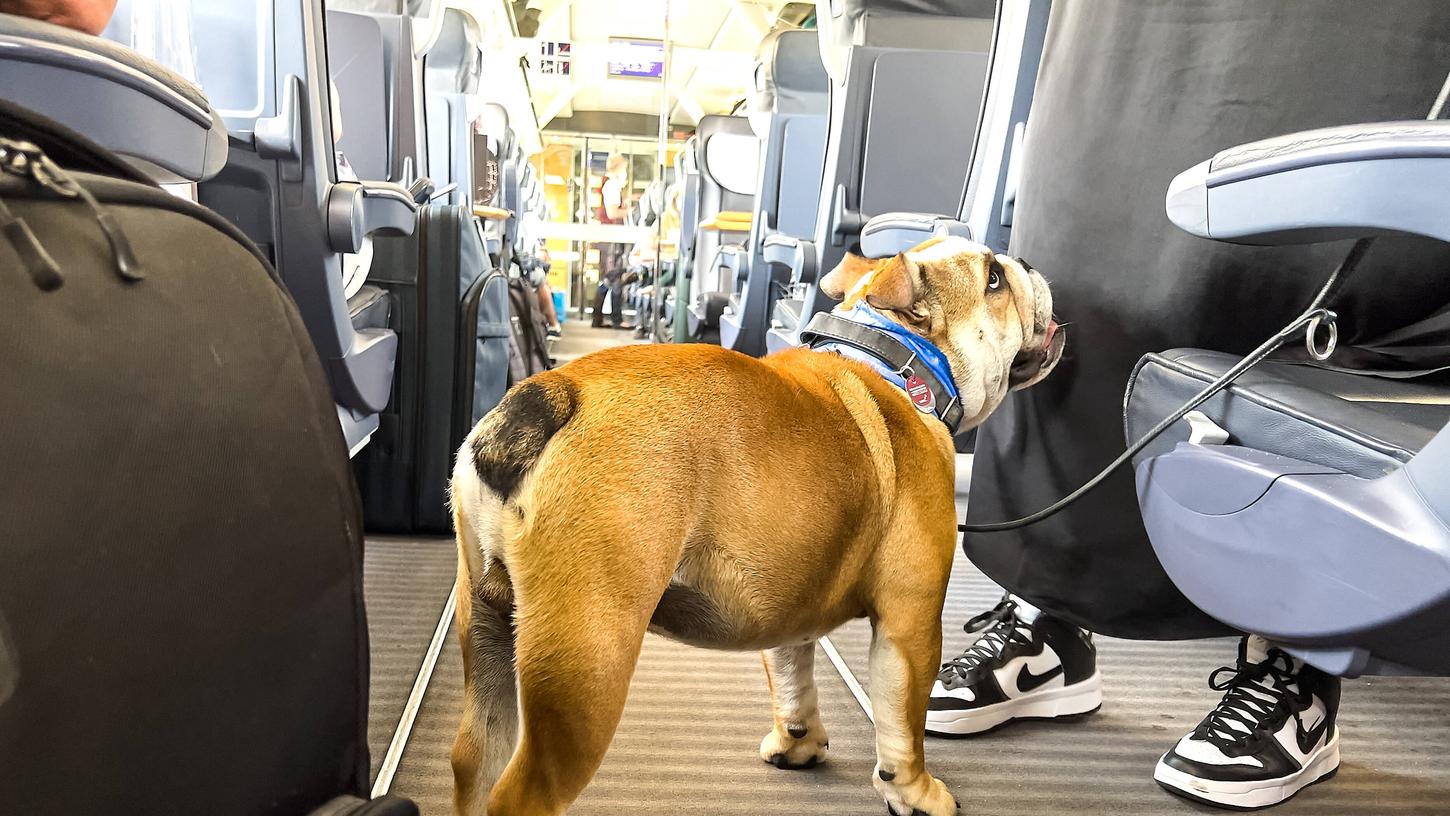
{"x":902,"y":357}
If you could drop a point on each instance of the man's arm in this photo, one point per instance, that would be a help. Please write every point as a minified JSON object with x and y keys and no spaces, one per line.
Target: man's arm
{"x":90,"y":16}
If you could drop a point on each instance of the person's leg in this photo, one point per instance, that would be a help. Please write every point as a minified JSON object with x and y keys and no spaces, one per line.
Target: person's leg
{"x":1027,"y":665}
{"x":1274,"y":733}
{"x":616,"y":303}
{"x":606,"y":268}
{"x":546,"y":307}
{"x":597,"y":317}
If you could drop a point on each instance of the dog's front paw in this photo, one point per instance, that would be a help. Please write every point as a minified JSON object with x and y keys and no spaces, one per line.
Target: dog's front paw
{"x":925,"y":795}
{"x":786,"y":750}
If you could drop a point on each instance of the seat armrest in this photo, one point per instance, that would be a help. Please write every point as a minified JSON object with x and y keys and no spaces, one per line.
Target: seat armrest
{"x":890,"y":233}
{"x":779,"y":249}
{"x":796,"y":254}
{"x":1321,"y":185}
{"x":357,"y":209}
{"x":733,"y":258}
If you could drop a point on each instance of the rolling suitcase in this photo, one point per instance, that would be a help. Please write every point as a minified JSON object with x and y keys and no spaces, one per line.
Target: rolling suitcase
{"x":451,"y":314}
{"x":181,"y":611}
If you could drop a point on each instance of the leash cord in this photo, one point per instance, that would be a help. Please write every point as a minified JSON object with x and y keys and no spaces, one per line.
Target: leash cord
{"x":1313,"y":316}
{"x":1308,"y":322}
{"x":1257,"y":356}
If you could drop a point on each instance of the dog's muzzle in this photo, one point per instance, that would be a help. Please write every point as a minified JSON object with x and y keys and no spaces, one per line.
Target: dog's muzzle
{"x":1030,"y":362}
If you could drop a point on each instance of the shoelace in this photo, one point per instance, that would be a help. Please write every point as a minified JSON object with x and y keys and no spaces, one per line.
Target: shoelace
{"x":1254,"y":694}
{"x":1002,"y":625}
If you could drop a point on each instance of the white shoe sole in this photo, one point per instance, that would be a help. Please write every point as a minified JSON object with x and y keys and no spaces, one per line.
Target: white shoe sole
{"x":1252,"y":795}
{"x":1082,"y":697}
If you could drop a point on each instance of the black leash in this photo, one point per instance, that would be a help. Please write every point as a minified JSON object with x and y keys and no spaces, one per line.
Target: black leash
{"x":1313,"y":317}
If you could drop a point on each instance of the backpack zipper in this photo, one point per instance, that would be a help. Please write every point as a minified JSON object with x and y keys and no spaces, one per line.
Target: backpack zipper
{"x":27,"y":161}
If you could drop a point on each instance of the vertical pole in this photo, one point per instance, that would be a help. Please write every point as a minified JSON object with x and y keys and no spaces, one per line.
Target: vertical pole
{"x":657,"y":301}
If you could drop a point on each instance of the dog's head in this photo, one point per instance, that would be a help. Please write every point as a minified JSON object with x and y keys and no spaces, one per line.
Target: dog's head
{"x":991,"y":315}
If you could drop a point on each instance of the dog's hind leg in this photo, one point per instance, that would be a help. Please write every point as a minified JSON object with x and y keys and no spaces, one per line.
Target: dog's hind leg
{"x":798,"y":739}
{"x":580,"y":625}
{"x":483,"y":620}
{"x":905,"y":649}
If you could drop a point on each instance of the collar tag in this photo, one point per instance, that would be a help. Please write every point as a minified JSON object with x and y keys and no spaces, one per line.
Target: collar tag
{"x":920,"y":394}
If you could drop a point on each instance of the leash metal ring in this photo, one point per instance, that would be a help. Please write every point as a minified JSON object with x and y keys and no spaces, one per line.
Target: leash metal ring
{"x":906,"y":370}
{"x":1322,"y":354}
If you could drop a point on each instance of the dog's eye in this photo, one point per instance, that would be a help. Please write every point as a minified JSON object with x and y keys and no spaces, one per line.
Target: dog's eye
{"x":994,"y":277}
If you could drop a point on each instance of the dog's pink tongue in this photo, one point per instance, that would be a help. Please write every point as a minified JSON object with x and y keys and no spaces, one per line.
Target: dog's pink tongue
{"x":1051,"y":332}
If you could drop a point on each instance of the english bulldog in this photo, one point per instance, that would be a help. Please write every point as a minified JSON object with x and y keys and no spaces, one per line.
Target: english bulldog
{"x":732,"y":503}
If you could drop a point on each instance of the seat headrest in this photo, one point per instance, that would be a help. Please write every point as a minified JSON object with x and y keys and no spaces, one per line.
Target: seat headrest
{"x":24,"y":28}
{"x":369,"y":6}
{"x":789,"y":75}
{"x":114,"y":96}
{"x":455,"y":63}
{"x":947,"y":25}
{"x":493,"y":121}
{"x":729,"y":152}
{"x":690,"y":156}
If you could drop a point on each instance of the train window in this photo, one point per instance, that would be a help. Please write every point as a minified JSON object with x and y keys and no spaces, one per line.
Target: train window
{"x":234,"y":44}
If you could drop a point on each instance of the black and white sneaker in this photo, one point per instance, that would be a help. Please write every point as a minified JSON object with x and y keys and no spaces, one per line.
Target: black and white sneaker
{"x":1273,"y":734}
{"x":1018,"y":669}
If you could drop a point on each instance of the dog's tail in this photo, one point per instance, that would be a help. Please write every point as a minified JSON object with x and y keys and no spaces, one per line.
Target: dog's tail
{"x":511,"y":438}
{"x":488,"y":732}
{"x":487,"y":477}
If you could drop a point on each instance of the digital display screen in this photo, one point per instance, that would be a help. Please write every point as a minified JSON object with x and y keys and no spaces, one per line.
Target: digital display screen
{"x":643,"y":59}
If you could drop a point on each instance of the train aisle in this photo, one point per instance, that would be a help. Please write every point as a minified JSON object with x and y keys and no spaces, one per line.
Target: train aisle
{"x":694,"y":719}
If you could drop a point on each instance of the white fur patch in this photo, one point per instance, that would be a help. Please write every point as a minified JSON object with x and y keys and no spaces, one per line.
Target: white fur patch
{"x":948,"y":247}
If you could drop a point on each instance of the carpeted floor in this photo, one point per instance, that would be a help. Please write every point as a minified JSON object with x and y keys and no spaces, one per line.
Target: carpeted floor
{"x":688,"y":740}
{"x":579,"y":338}
{"x":1395,"y":733}
{"x":406,"y":582}
{"x":691,"y":728}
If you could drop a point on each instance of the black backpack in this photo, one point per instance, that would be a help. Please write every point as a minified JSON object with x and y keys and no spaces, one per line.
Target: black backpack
{"x":529,"y":351}
{"x":181,"y":615}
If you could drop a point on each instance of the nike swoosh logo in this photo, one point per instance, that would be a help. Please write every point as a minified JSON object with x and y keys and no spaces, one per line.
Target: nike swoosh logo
{"x":1309,"y":739}
{"x":1027,"y":681}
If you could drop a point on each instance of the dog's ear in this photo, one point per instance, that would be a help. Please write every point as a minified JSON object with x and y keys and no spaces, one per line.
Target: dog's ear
{"x":894,"y":284}
{"x":846,"y":275}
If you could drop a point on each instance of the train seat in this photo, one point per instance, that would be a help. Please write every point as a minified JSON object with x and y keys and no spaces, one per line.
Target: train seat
{"x":155,"y":118}
{"x":452,"y":69}
{"x":265,"y":69}
{"x":789,"y":112}
{"x":1306,"y":504}
{"x":688,"y":171}
{"x":169,"y":130}
{"x":727,"y":155}
{"x":499,"y":225}
{"x":889,"y":62}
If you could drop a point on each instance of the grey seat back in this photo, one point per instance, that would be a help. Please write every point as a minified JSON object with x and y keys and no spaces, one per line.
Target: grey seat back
{"x":158,"y":120}
{"x":451,"y":71}
{"x":792,"y":92}
{"x":906,"y":89}
{"x":726,"y":154}
{"x":502,"y":234}
{"x":789,"y":111}
{"x":689,"y":172}
{"x":266,"y":67}
{"x":380,"y":84}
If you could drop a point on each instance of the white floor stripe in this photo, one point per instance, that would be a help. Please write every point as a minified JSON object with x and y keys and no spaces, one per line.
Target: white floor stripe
{"x":846,"y":675}
{"x":389,"y":768}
